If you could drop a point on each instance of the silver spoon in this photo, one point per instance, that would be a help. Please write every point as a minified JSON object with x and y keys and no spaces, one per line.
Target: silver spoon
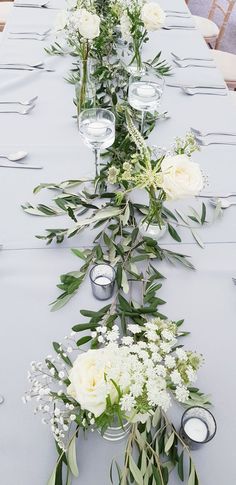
{"x":224,"y":204}
{"x":15,"y":157}
{"x":23,"y":103}
{"x":1,"y":399}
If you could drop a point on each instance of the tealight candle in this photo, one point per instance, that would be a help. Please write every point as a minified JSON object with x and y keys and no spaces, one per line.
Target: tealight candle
{"x":145,"y":91}
{"x":102,"y":277}
{"x":96,"y":128}
{"x":196,"y":429}
{"x":198,"y":426}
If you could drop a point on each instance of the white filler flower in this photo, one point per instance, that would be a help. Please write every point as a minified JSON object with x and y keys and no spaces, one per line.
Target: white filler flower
{"x":152,"y":16}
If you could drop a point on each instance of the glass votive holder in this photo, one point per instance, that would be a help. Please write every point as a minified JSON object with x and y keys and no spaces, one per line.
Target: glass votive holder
{"x":198,"y":426}
{"x":102,"y":277}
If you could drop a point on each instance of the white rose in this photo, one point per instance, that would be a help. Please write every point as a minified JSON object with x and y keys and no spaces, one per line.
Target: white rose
{"x":88,"y":24}
{"x":125,"y":28}
{"x":87,"y":377}
{"x":61,"y":20}
{"x":152,"y":16}
{"x":181,"y":178}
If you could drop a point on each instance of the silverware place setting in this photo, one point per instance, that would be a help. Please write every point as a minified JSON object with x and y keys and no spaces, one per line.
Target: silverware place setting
{"x":212,"y":195}
{"x":24,"y":66}
{"x":178,"y":27}
{"x":212,"y":140}
{"x":191,"y":58}
{"x":224,"y":204}
{"x":37,"y":37}
{"x":203,"y":133}
{"x":183,"y":64}
{"x":30,"y":167}
{"x":16,"y":157}
{"x":34,"y":5}
{"x":207,"y":91}
{"x":24,"y":111}
{"x":28,"y":102}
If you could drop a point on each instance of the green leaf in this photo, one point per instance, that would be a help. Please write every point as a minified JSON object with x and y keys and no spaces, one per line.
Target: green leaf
{"x":52,"y":479}
{"x":181,"y":466}
{"x":138,"y":477}
{"x":84,"y":326}
{"x":197,"y":238}
{"x":60,"y":302}
{"x":124,"y":282}
{"x":79,"y":253}
{"x":203,"y":215}
{"x":169,"y":442}
{"x":83,"y":340}
{"x":173,"y":233}
{"x":71,"y":457}
{"x":192,"y":475}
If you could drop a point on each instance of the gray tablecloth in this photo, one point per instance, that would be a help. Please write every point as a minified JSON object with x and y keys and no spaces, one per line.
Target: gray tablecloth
{"x":29,"y":272}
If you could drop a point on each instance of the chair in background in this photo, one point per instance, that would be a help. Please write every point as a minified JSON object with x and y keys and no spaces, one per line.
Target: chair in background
{"x":5,"y":8}
{"x":209,"y":30}
{"x":226,"y":63}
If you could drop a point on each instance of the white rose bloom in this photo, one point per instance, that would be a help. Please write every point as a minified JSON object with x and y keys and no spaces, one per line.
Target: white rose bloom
{"x":88,"y":24}
{"x":181,"y":178}
{"x":87,"y":376}
{"x":61,"y":20}
{"x":152,"y":16}
{"x":125,"y":28}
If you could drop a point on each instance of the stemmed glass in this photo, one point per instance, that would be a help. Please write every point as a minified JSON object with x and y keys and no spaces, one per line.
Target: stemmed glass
{"x":145,"y":92}
{"x":97,"y":127}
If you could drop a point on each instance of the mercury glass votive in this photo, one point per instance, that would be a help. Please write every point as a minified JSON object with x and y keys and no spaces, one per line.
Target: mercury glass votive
{"x":198,"y":426}
{"x":102,"y":277}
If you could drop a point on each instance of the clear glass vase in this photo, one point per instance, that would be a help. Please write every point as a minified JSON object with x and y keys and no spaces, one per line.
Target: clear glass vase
{"x":152,"y":230}
{"x":85,"y":90}
{"x":116,"y":432}
{"x":153,"y":225}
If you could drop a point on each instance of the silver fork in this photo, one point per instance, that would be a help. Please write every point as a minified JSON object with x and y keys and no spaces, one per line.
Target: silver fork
{"x":207,"y":133}
{"x":179,"y":64}
{"x":224,"y":204}
{"x":191,"y":58}
{"x":22,"y":103}
{"x":22,"y":112}
{"x":203,"y":142}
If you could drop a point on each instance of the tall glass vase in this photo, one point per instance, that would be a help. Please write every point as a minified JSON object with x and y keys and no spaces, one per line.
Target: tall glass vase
{"x":153,"y":225}
{"x":85,"y":90}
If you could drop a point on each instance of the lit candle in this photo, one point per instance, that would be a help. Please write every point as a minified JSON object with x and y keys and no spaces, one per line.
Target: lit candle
{"x":96,"y":128}
{"x":146,"y":91}
{"x":196,"y":429}
{"x":102,"y":280}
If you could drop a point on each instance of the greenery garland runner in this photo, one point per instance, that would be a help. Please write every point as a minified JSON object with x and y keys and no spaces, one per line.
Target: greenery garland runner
{"x":136,"y":354}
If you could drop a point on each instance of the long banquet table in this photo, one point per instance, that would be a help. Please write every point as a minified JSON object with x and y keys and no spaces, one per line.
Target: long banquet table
{"x":206,"y":298}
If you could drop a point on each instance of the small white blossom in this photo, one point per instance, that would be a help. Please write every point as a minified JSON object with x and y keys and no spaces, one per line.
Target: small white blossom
{"x":182,"y":393}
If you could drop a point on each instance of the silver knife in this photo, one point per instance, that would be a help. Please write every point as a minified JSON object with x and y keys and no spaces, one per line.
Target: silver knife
{"x":224,"y":195}
{"x":193,"y":86}
{"x":36,"y":167}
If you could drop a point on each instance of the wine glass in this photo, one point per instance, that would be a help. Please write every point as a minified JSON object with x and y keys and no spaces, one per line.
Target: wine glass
{"x":97,"y":128}
{"x":145,"y":92}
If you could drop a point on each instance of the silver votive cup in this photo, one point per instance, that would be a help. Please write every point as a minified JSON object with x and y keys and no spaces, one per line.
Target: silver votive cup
{"x":198,"y":426}
{"x":102,"y":277}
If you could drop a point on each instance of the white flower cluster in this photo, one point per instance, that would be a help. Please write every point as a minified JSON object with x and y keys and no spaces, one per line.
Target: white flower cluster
{"x":138,"y":372}
{"x":145,"y":366}
{"x":81,"y":21}
{"x":151,"y":14}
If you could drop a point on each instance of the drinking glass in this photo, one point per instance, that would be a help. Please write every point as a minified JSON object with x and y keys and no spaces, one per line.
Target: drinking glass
{"x":145,"y":92}
{"x":97,"y":128}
